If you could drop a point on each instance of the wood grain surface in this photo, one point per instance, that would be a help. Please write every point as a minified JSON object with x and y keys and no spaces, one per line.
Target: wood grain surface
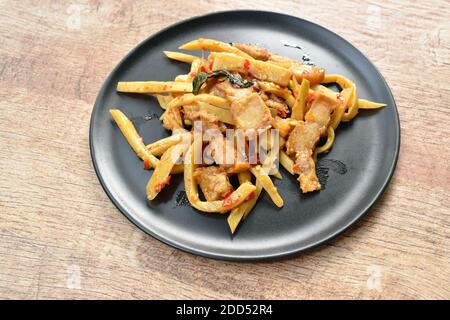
{"x":61,"y":237}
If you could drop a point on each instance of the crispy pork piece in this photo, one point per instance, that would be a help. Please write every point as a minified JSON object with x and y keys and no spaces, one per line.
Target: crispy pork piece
{"x":225,"y":89}
{"x":251,"y":112}
{"x":213,"y":182}
{"x":172,"y":119}
{"x":320,"y":111}
{"x":223,"y":151}
{"x":315,"y":75}
{"x":303,"y":140}
{"x":209,"y":121}
{"x":277,"y":103}
{"x":217,"y":90}
{"x":254,"y":51}
{"x":301,"y":144}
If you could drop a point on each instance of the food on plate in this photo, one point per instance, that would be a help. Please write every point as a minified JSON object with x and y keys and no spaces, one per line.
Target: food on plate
{"x":254,"y":109}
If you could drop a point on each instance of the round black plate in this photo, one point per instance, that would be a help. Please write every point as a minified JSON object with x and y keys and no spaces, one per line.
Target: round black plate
{"x":353,"y":174}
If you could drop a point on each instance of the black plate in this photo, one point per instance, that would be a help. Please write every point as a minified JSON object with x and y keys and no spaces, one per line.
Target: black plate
{"x":354,"y":174}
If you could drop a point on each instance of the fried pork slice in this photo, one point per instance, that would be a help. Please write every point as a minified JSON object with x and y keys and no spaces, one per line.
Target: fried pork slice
{"x":253,"y":51}
{"x":222,"y":150}
{"x":213,"y":182}
{"x":315,"y":75}
{"x":320,"y":111}
{"x":172,"y":119}
{"x":251,"y":112}
{"x":303,"y":140}
{"x":225,"y":89}
{"x":278,"y":104}
{"x":301,"y":144}
{"x":194,"y":113}
{"x":216,"y":90}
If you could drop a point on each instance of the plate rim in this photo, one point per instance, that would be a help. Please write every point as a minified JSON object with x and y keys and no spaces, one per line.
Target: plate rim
{"x":238,"y":257}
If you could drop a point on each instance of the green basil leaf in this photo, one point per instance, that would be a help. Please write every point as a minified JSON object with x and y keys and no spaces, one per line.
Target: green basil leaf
{"x":198,"y":81}
{"x":202,"y":77}
{"x":233,"y":79}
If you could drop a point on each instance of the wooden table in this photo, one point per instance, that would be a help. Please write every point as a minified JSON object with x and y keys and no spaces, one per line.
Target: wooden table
{"x":61,"y":237}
